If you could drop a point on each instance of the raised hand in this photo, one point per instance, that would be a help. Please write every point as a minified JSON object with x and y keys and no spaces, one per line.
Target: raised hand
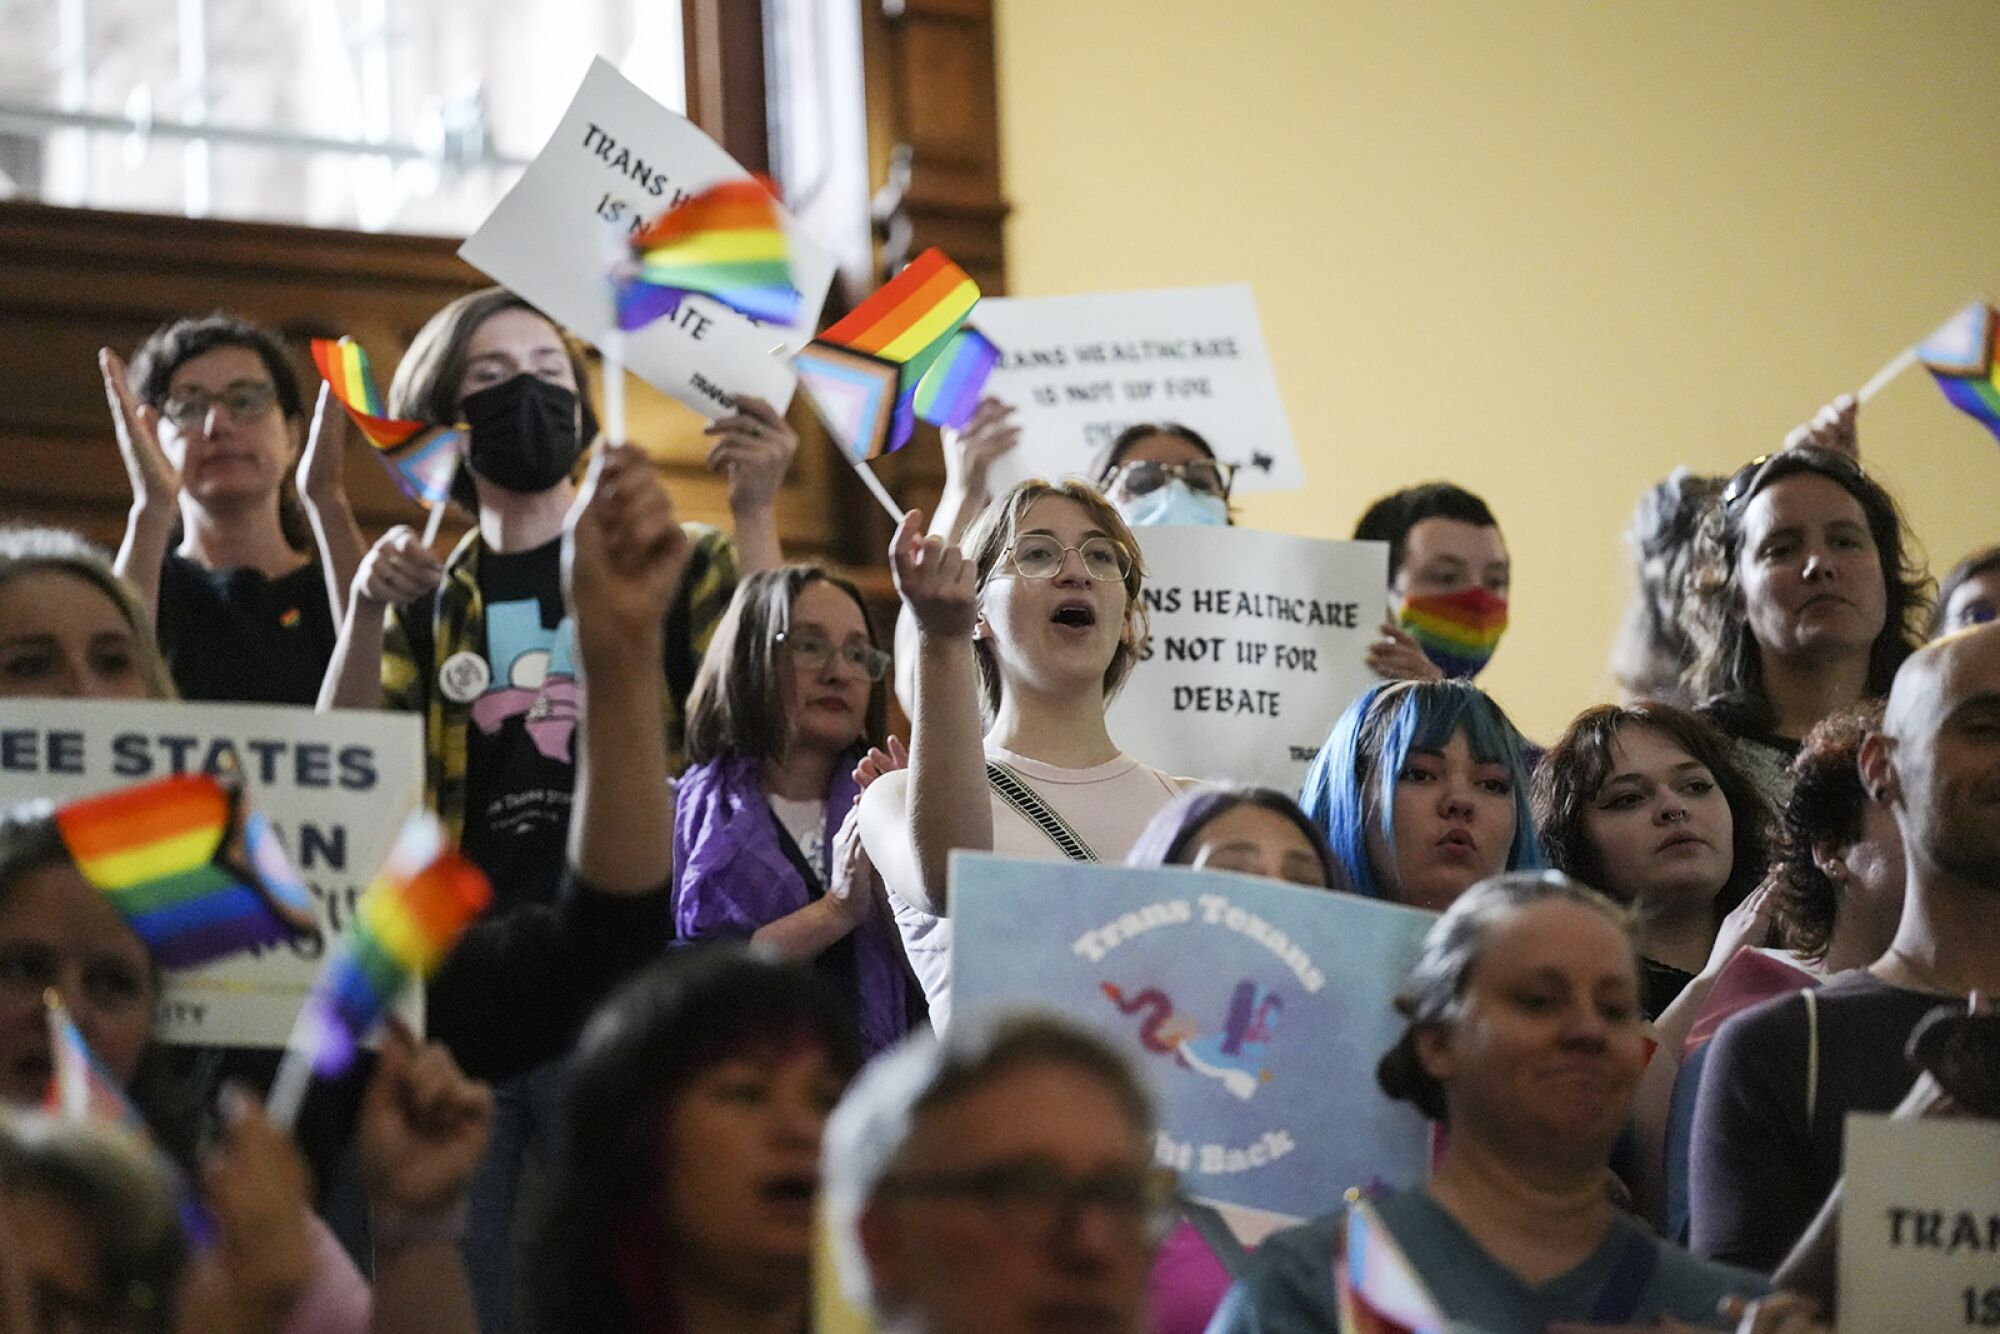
{"x":852,"y":888}
{"x":1746,"y":925}
{"x":423,"y":1127}
{"x":753,"y":449}
{"x":935,"y":580}
{"x":320,"y":474}
{"x":1833,"y":427}
{"x":878,"y":762}
{"x":970,"y":453}
{"x":1397,"y":656}
{"x":624,"y":552}
{"x":155,"y":480}
{"x":255,"y":1183}
{"x":398,"y":569}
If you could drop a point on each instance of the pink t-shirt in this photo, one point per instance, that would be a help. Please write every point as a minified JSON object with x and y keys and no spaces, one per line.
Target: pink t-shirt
{"x":1108,"y":806}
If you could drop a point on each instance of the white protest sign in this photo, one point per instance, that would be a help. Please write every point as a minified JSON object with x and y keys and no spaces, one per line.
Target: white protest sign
{"x":1920,"y":1226}
{"x":1080,"y":369}
{"x":618,"y":160}
{"x":1257,"y":644}
{"x":335,"y":787}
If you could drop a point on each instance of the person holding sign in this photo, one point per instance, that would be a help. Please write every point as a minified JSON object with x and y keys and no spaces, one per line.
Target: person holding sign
{"x":1248,"y":831}
{"x":1024,"y":636}
{"x":210,"y":424}
{"x":1525,"y":1041}
{"x":488,"y":658}
{"x":1165,"y":473}
{"x":1803,"y":600}
{"x":70,"y":628}
{"x":1422,"y":789}
{"x":1449,"y":573}
{"x":766,"y":844}
{"x":1771,"y":1118}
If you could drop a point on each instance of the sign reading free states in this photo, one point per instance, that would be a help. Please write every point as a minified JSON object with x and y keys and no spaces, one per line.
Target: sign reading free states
{"x":1258,"y":642}
{"x":618,"y":160}
{"x":1920,"y":1225}
{"x":335,"y":787}
{"x":1080,"y":369}
{"x":1256,"y":1009}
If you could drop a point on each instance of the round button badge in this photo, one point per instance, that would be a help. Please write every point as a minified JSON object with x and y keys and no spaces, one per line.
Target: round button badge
{"x":464,"y":677}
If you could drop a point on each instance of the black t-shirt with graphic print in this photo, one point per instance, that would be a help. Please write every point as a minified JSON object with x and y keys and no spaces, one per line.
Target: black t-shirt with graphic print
{"x":521,"y":743}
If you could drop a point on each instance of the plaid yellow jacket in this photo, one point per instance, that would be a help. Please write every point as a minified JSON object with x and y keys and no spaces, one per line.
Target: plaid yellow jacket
{"x":458,"y":624}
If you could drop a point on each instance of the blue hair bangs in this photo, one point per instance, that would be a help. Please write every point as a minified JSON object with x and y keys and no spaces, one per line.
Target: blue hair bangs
{"x":1424,"y":716}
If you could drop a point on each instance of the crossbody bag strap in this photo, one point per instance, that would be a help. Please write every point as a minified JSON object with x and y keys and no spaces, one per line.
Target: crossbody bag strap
{"x":1014,"y":790}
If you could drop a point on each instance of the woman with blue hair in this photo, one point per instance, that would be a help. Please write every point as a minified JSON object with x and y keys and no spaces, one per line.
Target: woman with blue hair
{"x":1422,"y":789}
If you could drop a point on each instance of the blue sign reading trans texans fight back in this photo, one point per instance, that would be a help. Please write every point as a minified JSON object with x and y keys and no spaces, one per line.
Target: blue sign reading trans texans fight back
{"x":1256,"y":1009}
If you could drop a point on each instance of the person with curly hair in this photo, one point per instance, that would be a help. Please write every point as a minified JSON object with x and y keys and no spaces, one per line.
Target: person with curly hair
{"x":1805,"y":599}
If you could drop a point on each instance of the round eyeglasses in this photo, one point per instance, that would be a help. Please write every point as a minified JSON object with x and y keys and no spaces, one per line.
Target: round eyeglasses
{"x":813,"y":652}
{"x":1038,"y":556}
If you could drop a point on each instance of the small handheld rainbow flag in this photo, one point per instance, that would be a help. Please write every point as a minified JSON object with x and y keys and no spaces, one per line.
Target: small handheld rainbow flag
{"x":867,"y":373}
{"x":725,"y":243}
{"x":1377,"y":1288}
{"x":1961,"y":357}
{"x":196,"y":872}
{"x":949,"y":391}
{"x":421,"y":458}
{"x":83,"y":1091}
{"x":408,"y":919}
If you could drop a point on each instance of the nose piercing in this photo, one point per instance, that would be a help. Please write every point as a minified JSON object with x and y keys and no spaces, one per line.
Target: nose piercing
{"x":1675,"y":816}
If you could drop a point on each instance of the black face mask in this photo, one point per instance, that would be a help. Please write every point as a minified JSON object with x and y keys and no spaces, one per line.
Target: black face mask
{"x":524,"y":433}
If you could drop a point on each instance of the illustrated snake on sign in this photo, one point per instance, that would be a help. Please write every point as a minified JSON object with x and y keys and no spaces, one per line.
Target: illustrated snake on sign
{"x":1233,"y":1057}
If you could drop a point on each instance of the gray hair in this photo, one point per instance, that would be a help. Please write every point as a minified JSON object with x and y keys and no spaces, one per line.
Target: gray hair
{"x":121,"y":1193}
{"x":869,"y":1130}
{"x":1432,"y":995}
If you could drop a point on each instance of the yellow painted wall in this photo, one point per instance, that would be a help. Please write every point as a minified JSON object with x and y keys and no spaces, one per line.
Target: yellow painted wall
{"x":1545,"y":248}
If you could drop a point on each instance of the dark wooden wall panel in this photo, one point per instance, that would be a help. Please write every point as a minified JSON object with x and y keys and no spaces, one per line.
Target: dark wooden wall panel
{"x":73,"y":280}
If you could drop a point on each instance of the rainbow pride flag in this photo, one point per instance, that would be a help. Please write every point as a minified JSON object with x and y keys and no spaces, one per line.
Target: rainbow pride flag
{"x":908,"y":326}
{"x":725,"y":243}
{"x":408,"y":919}
{"x":196,"y":872}
{"x":1961,"y":357}
{"x":1377,"y":1288}
{"x":950,"y":389}
{"x":421,"y":459}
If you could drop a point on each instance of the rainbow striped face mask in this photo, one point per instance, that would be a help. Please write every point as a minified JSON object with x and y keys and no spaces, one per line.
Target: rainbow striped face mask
{"x":1457,"y":631}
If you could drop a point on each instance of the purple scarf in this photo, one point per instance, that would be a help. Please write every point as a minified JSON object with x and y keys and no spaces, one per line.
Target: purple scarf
{"x":731,"y":876}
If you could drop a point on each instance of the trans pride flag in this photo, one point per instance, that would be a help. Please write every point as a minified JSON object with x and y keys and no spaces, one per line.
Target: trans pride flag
{"x":80,"y":1088}
{"x":196,"y":872}
{"x":725,"y":243}
{"x":903,"y":353}
{"x":1961,"y":357}
{"x":421,"y":459}
{"x":1377,"y":1289}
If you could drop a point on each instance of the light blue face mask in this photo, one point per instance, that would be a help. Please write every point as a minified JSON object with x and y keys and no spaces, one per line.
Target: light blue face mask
{"x":1175,"y":503}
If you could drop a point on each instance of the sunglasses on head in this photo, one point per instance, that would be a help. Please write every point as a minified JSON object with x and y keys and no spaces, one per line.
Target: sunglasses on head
{"x":1205,"y":476}
{"x":1752,"y":477}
